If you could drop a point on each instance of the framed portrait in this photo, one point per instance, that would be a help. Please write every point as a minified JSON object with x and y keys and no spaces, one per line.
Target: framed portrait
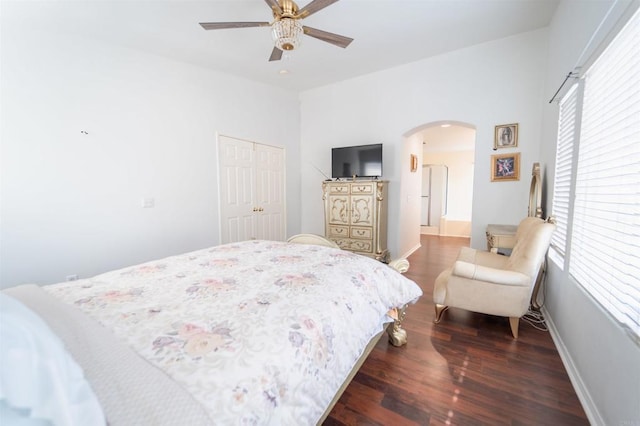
{"x":505,"y":167}
{"x":506,"y":136}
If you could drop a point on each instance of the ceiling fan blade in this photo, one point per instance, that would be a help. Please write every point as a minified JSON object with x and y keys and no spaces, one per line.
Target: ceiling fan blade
{"x":335,"y":39}
{"x":275,"y":6}
{"x":276,"y":55}
{"x":313,"y":7}
{"x":225,"y":25}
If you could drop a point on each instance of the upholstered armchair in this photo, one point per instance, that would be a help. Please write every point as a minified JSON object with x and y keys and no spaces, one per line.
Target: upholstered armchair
{"x":490,"y":283}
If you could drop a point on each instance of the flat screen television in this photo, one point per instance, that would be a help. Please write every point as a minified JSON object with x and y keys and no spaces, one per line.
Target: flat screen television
{"x":358,"y":161}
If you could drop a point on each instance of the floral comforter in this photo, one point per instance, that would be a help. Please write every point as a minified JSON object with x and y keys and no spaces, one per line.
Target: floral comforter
{"x":259,"y":332}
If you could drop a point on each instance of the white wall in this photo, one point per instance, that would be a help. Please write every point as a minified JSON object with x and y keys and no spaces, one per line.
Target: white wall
{"x":71,"y":203}
{"x":493,"y":83}
{"x":602,"y":360}
{"x":410,"y":197}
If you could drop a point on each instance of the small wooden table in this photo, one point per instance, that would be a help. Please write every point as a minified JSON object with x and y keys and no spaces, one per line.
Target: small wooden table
{"x":501,"y":236}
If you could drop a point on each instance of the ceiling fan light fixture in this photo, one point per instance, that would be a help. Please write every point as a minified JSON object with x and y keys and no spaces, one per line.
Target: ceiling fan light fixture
{"x":287,"y":33}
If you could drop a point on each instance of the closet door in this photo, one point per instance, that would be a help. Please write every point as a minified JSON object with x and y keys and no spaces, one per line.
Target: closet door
{"x":252,"y":185}
{"x":237,"y":176}
{"x":269,"y":192}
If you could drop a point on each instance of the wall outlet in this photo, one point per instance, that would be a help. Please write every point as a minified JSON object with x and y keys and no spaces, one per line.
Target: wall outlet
{"x":72,"y":277}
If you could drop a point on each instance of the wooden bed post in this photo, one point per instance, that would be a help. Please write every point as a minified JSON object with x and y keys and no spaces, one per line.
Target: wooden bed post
{"x":397,"y":334}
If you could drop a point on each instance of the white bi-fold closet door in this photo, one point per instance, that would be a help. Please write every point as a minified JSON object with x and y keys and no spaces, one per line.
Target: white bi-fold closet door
{"x":252,"y":191}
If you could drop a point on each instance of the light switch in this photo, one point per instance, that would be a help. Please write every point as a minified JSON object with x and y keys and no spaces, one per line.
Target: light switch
{"x":148,"y":203}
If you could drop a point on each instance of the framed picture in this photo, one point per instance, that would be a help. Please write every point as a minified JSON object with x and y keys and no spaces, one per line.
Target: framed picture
{"x":506,"y":136}
{"x":505,"y":167}
{"x":414,"y":163}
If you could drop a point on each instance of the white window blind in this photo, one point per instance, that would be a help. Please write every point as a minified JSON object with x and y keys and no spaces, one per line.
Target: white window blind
{"x":605,"y":242}
{"x":562,"y":180}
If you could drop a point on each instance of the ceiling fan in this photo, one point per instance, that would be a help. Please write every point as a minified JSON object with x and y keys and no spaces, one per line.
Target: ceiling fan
{"x":286,"y":28}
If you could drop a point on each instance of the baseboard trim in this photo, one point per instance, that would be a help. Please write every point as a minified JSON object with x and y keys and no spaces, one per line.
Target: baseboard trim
{"x":410,"y":252}
{"x":581,"y":389}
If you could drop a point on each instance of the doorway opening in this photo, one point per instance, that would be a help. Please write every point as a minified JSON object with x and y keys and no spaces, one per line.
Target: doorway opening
{"x":448,"y":150}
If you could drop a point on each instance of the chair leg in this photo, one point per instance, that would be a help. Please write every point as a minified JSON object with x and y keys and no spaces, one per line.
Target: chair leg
{"x":439,"y":311}
{"x":513,"y":322}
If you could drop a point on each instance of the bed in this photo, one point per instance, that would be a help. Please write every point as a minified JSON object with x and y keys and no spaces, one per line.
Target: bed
{"x":257,"y":332}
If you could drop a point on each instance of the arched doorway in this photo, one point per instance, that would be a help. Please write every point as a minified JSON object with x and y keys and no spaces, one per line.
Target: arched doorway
{"x":447,"y":179}
{"x":445,"y":149}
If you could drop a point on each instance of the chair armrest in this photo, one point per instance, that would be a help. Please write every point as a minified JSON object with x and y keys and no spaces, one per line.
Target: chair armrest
{"x":492,"y":275}
{"x":482,"y":258}
{"x":490,"y":260}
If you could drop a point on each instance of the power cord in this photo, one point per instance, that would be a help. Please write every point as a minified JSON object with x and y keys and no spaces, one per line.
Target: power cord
{"x":533,"y":315}
{"x":536,"y":319}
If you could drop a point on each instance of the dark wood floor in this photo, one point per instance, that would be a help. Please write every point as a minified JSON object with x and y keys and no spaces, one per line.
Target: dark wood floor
{"x":467,"y":370}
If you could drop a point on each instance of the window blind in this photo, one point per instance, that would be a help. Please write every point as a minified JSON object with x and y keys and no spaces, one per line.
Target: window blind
{"x":605,"y":241}
{"x":562,"y":180}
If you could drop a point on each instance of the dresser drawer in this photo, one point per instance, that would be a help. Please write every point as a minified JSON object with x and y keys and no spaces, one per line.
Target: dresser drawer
{"x":339,"y":189}
{"x":339,"y":231}
{"x":361,"y":245}
{"x":362,"y":188}
{"x":361,"y":233}
{"x":344,"y":244}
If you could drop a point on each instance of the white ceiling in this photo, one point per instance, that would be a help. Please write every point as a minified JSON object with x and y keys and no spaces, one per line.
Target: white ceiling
{"x":387,"y":33}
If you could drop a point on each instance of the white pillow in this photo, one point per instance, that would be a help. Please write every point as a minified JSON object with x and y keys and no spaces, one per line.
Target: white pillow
{"x":40,"y":383}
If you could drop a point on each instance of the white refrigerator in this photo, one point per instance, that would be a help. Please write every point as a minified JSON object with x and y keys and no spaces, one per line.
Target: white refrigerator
{"x":434,"y":194}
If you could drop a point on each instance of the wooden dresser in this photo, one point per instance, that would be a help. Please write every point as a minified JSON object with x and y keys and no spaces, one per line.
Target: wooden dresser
{"x":355,"y":215}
